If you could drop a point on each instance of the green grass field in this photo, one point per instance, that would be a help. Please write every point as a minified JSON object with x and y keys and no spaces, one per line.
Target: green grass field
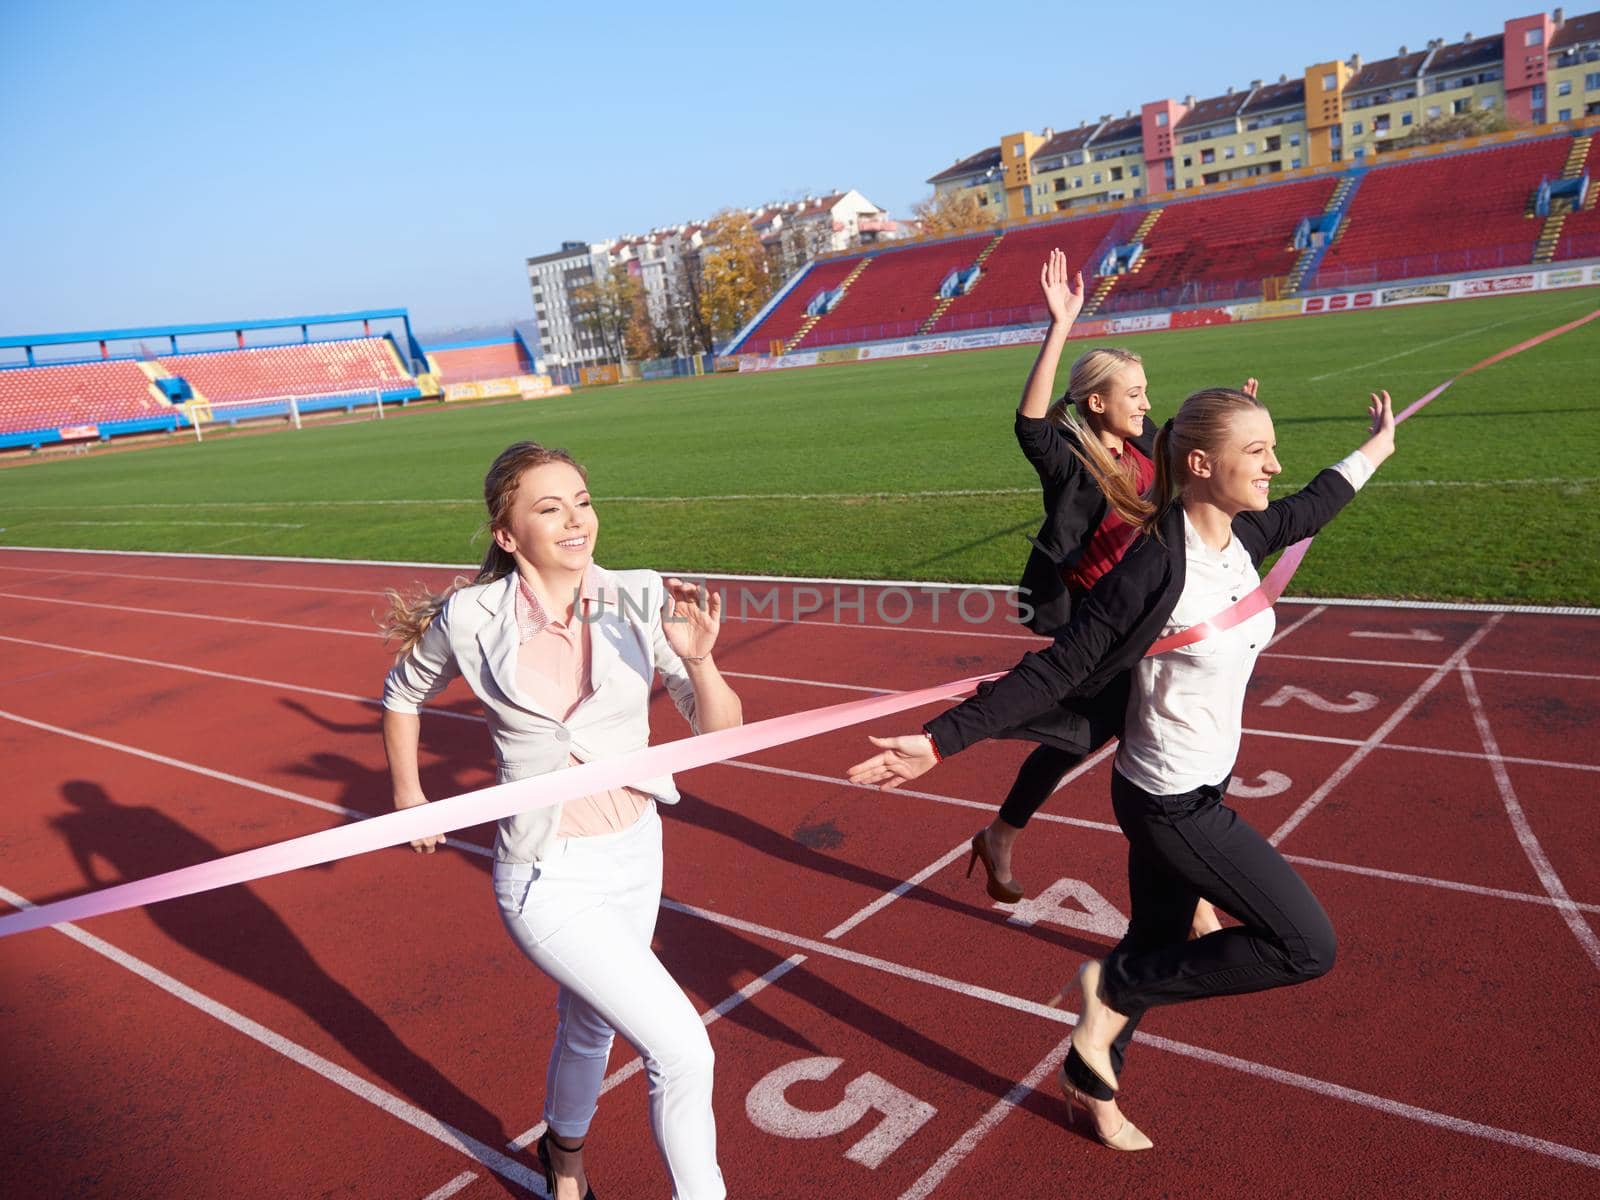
{"x":869,"y":470}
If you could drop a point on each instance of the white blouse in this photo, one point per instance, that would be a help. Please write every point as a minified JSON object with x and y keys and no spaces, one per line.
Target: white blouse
{"x":1185,"y":714}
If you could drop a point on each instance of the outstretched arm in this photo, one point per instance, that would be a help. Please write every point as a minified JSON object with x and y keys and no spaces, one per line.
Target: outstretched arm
{"x":1063,"y":295}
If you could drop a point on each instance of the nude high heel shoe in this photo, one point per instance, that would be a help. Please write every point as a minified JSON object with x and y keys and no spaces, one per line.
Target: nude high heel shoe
{"x":1127,"y":1138}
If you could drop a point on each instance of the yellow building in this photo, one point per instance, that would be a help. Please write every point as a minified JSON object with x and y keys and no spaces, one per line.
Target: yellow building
{"x":1538,"y":70}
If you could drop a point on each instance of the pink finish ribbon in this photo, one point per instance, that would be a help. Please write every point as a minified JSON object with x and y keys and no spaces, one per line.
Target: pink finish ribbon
{"x":493,"y":803}
{"x":1283,"y":570}
{"x":479,"y":807}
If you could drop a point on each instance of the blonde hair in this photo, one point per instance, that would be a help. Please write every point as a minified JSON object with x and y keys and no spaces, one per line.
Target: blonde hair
{"x":1201,"y":423}
{"x":411,"y":612}
{"x":1091,"y":374}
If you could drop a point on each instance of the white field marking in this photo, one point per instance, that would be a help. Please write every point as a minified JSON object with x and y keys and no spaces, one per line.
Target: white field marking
{"x":1403,"y":748}
{"x":1052,"y":818}
{"x":1361,"y":662}
{"x":1425,"y":605}
{"x":894,"y":893}
{"x":450,"y":1136}
{"x":1540,"y":861}
{"x":164,"y":524}
{"x":1292,"y":1079}
{"x":1547,"y":481}
{"x":451,"y":1188}
{"x":1309,"y":804}
{"x":1107,"y":827}
{"x":1422,"y":666}
{"x":373,"y":592}
{"x":1444,"y":341}
{"x":1415,"y":635}
{"x":191,"y":616}
{"x":968,"y":1141}
{"x":627,"y":1071}
{"x":1448,"y":885}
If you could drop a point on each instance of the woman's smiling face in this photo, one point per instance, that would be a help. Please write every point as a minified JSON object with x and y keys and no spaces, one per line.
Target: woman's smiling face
{"x":551,"y":524}
{"x":1237,"y":475}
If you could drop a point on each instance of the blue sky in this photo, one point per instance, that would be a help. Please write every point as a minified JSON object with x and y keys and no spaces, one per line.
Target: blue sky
{"x":182,"y":161}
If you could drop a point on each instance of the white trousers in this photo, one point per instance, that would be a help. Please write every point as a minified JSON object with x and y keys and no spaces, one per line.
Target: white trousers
{"x":585,"y":916}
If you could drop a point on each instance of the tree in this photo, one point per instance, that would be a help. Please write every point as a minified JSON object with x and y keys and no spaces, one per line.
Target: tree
{"x":1452,"y":127}
{"x":605,"y":309}
{"x":950,"y":212}
{"x":735,"y":276}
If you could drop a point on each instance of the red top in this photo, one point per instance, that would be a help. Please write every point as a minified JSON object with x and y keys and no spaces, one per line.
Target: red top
{"x":1111,"y":540}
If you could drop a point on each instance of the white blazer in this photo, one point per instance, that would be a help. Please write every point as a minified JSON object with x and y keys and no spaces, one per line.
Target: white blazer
{"x":475,"y":636}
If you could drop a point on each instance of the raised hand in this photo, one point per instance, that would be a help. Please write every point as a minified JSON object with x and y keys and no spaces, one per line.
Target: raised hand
{"x":1250,"y":387}
{"x":692,"y":619}
{"x":1063,"y":294}
{"x":903,"y":759}
{"x":1380,"y":440}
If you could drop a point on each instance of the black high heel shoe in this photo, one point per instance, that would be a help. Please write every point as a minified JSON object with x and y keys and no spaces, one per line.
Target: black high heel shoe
{"x":550,"y":1171}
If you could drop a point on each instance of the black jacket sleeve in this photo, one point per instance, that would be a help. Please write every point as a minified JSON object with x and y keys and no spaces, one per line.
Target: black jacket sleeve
{"x":1286,"y":521}
{"x":1047,"y":447}
{"x":1101,"y":624}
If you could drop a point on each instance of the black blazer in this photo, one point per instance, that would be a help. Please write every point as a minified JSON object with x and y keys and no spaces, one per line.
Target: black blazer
{"x":1074,"y":506}
{"x":1046,"y":697}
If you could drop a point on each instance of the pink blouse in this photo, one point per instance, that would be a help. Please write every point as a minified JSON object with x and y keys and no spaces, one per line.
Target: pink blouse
{"x":553,"y":672}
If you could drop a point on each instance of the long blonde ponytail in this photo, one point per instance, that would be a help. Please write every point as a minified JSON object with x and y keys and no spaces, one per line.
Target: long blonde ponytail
{"x":1092,"y":373}
{"x":412,"y":611}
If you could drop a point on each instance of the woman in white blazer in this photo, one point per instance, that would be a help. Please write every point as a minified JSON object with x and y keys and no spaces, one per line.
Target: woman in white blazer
{"x":562,"y":654}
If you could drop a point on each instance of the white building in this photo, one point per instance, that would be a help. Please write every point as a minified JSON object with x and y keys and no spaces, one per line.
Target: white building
{"x":793,"y":232}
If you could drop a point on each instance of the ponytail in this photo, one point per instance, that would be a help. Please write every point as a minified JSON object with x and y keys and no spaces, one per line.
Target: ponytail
{"x":1092,"y":373}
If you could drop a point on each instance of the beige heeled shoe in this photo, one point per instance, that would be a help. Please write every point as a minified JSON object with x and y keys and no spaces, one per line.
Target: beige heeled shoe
{"x":1128,"y":1138}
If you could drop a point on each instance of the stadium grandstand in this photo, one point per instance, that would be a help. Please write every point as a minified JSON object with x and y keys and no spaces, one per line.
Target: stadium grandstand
{"x":1266,"y":193}
{"x":51,"y":391}
{"x":1492,"y":203}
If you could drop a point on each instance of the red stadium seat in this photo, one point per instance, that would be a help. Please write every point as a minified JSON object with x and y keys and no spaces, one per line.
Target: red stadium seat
{"x":94,"y":393}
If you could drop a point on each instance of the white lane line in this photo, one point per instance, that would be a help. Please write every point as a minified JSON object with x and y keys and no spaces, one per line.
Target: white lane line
{"x":1308,"y":806}
{"x":372,"y":592}
{"x":190,"y":616}
{"x":1447,"y":884}
{"x":1292,"y":1079}
{"x":1283,"y":633}
{"x":179,"y":764}
{"x":1425,"y":666}
{"x":762,"y":768}
{"x":708,"y":1018}
{"x":1002,"y":1108}
{"x":1540,"y":610}
{"x":1548,"y":879}
{"x":975,"y":633}
{"x":900,"y":889}
{"x":450,"y":1189}
{"x":425,"y":1123}
{"x":477,"y":717}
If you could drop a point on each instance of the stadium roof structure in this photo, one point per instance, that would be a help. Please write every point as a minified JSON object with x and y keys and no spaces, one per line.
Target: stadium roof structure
{"x":103,"y":337}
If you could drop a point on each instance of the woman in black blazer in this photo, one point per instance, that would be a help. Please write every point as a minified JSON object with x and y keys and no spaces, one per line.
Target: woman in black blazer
{"x":1092,"y":450}
{"x":1207,"y":527}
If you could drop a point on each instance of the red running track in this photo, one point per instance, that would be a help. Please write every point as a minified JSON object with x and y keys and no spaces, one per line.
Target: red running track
{"x":367,"y":1029}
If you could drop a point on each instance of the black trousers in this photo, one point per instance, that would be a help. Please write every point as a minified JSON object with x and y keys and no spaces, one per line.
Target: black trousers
{"x":1099,"y":720}
{"x":1185,"y":847}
